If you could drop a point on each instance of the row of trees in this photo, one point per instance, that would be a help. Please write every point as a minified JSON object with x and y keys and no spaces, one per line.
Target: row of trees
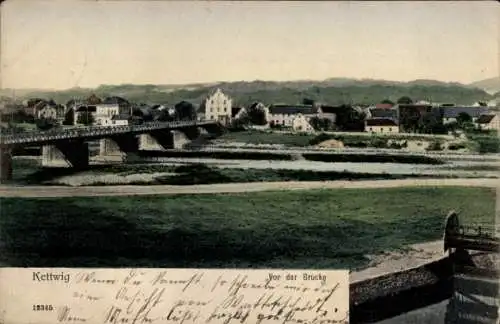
{"x":404,"y":100}
{"x":431,"y":122}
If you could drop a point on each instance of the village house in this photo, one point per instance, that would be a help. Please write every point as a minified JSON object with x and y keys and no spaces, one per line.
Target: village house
{"x":217,"y":106}
{"x":488,"y":122}
{"x":237,"y":112}
{"x":381,"y":125}
{"x":49,"y":111}
{"x":46,"y":111}
{"x":382,"y":113}
{"x":105,"y":113}
{"x":328,"y":112}
{"x":120,"y":120}
{"x":101,"y":113}
{"x":450,"y":114}
{"x":43,"y":109}
{"x":285,"y":114}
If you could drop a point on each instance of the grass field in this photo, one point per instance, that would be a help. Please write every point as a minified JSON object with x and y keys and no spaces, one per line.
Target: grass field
{"x":304,"y":139}
{"x":298,"y":229}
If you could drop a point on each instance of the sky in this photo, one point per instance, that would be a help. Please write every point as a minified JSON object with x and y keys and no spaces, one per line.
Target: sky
{"x":64,"y":44}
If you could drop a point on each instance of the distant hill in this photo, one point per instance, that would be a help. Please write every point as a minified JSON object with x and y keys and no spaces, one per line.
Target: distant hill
{"x":20,"y":92}
{"x":491,"y":85}
{"x":330,"y":91}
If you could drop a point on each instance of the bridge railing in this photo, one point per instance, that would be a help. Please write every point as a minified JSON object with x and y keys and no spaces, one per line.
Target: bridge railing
{"x":41,"y":135}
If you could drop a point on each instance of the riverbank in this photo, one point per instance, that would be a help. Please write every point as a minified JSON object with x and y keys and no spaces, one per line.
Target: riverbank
{"x":353,"y":157}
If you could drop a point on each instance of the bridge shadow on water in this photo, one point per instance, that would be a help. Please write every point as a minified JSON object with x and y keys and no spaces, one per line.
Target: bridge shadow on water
{"x":36,"y":174}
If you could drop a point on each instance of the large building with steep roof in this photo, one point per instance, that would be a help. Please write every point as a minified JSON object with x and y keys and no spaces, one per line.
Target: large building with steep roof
{"x":216,"y":106}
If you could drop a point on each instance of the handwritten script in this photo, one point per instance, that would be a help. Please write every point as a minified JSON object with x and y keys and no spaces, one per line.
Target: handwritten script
{"x":137,"y":296}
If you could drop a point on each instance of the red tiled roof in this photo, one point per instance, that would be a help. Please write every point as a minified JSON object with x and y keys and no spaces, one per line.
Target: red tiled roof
{"x":384,"y":106}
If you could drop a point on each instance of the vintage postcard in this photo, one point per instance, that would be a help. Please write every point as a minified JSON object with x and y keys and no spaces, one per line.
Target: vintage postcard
{"x":249,"y":162}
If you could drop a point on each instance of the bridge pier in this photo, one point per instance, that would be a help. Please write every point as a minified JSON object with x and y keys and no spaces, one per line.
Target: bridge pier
{"x":163,"y":140}
{"x":202,"y":137}
{"x":181,"y":139}
{"x":73,"y":154}
{"x":157,"y":141}
{"x":191,"y":133}
{"x":5,"y":164}
{"x":110,"y":150}
{"x":118,"y":148}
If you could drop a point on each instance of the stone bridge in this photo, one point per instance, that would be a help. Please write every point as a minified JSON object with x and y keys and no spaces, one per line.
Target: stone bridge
{"x":70,"y":147}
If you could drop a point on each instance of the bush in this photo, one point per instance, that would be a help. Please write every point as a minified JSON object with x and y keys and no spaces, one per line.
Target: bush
{"x":489,"y":145}
{"x":323,"y":137}
{"x":378,"y":143}
{"x":456,"y":146}
{"x":396,"y":145}
{"x":434,"y":146}
{"x":358,"y":144}
{"x":46,"y":123}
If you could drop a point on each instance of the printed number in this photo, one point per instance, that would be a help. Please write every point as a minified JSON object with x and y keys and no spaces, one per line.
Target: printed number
{"x":43,"y":308}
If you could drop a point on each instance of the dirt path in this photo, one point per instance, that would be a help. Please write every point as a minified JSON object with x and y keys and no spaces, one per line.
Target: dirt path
{"x":418,"y":255}
{"x":124,"y":190}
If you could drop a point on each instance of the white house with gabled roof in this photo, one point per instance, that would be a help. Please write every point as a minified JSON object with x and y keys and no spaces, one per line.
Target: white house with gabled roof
{"x":216,"y":106}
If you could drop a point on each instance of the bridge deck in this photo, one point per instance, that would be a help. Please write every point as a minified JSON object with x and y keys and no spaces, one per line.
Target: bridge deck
{"x":475,"y":243}
{"x":37,"y":137}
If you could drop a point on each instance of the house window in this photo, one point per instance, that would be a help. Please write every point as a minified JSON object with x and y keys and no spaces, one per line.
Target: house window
{"x":390,"y":129}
